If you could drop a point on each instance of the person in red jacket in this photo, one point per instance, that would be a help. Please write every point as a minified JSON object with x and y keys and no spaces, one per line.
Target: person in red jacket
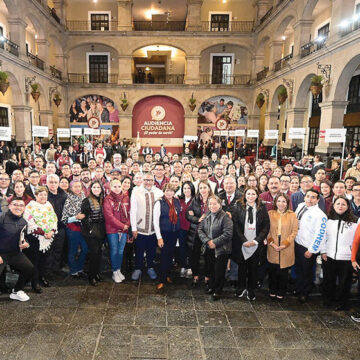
{"x":117,"y":222}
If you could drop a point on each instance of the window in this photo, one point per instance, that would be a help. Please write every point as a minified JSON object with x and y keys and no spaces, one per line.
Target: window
{"x":219,"y":22}
{"x":4,"y":116}
{"x":357,"y":21}
{"x":221,"y":70}
{"x":100,"y":22}
{"x":323,"y":34}
{"x":354,"y":95}
{"x":352,"y":134}
{"x":315,"y":108}
{"x":98,"y":68}
{"x":313,"y":140}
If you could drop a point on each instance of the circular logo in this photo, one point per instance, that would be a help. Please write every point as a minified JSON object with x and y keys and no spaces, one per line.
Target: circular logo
{"x":94,"y":122}
{"x":158,"y":113}
{"x":221,"y":124}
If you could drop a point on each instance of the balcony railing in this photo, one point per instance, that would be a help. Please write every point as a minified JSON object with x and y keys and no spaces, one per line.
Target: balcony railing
{"x":9,"y":46}
{"x":267,"y":15}
{"x":350,"y":27}
{"x":262,"y":74}
{"x":278,"y":65}
{"x":55,"y":72}
{"x":311,"y":47}
{"x":232,"y":26}
{"x":159,"y":25}
{"x":52,"y":12}
{"x":236,"y":79}
{"x":142,"y":78}
{"x":34,"y":60}
{"x":79,"y":25}
{"x":82,"y":78}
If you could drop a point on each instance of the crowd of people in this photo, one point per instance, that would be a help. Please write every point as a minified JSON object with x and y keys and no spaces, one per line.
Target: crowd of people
{"x":214,"y":219}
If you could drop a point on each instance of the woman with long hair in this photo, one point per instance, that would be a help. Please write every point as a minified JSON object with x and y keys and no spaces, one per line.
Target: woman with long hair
{"x":336,"y":253}
{"x":327,"y":193}
{"x":281,"y":245}
{"x":263,"y":181}
{"x":195,"y":215}
{"x":19,"y":192}
{"x":117,"y":222}
{"x":251,"y":226}
{"x":294,"y":184}
{"x":93,"y":229}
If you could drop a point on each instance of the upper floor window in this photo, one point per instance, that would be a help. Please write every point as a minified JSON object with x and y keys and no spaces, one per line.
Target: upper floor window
{"x":220,"y":22}
{"x":4,"y":116}
{"x":100,"y":22}
{"x":323,"y":34}
{"x":98,"y":68}
{"x":354,"y":95}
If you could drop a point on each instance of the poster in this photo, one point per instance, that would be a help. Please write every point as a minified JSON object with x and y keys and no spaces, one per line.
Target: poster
{"x":40,"y":131}
{"x":5,"y":133}
{"x":296,"y":133}
{"x":335,"y":135}
{"x":63,"y":133}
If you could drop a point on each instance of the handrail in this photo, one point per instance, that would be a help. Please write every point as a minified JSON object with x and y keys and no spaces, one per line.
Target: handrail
{"x":224,"y":79}
{"x":84,"y":78}
{"x":9,"y":46}
{"x":34,"y":60}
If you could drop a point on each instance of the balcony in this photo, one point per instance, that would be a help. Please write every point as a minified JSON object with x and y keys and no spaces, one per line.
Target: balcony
{"x":349,"y":27}
{"x":55,"y":72}
{"x":225,"y":79}
{"x":312,"y":46}
{"x":159,"y":25}
{"x":262,"y":74}
{"x":83,"y":78}
{"x":34,"y":60}
{"x":267,"y":15}
{"x":232,"y":26}
{"x":9,"y":46}
{"x":79,"y":25}
{"x":52,"y":12}
{"x":142,"y":78}
{"x":280,"y":64}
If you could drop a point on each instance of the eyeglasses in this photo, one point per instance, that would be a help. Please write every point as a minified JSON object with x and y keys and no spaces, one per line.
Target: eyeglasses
{"x":4,"y":179}
{"x":18,"y":205}
{"x":148,"y":180}
{"x":285,"y":181}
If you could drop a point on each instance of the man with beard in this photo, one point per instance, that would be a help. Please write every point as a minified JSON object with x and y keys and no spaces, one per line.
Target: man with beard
{"x":269,"y":196}
{"x":76,"y":171}
{"x":86,"y":181}
{"x":117,"y":161}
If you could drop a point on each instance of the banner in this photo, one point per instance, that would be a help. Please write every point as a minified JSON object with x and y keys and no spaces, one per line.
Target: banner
{"x":240,"y":132}
{"x":224,"y":133}
{"x":5,"y":133}
{"x":76,"y":131}
{"x":105,"y":132}
{"x":88,"y":131}
{"x":190,"y":138}
{"x":217,"y":133}
{"x":40,"y":131}
{"x":63,"y":132}
{"x":232,"y":133}
{"x":271,"y":134}
{"x":296,"y":133}
{"x":253,"y":133}
{"x":335,"y":135}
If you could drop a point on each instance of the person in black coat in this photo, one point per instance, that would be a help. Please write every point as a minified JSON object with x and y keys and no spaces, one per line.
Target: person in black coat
{"x":251,"y":227}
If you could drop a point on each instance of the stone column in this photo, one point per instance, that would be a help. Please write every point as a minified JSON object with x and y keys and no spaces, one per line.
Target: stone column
{"x":61,"y":64}
{"x":332,"y":116}
{"x":124,"y":15}
{"x":125,"y":125}
{"x":261,"y":9}
{"x":192,"y":70}
{"x":302,"y":31}
{"x":190,"y":122}
{"x":295,"y":119}
{"x":257,"y":65}
{"x":22,"y":123}
{"x":193,"y":19}
{"x":43,"y":51}
{"x":17,"y":30}
{"x":63,"y":120}
{"x":271,"y":122}
{"x":275,"y":53}
{"x":253,"y":124}
{"x":125,"y":69}
{"x":60,"y":9}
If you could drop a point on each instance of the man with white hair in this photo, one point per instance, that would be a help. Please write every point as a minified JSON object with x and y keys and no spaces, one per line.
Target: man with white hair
{"x":117,"y":161}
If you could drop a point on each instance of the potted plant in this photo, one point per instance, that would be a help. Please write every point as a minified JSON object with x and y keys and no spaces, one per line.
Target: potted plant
{"x":316,"y":85}
{"x":192,"y":102}
{"x":4,"y":82}
{"x":260,"y":100}
{"x":35,"y":93}
{"x":282,"y":95}
{"x":57,"y":100}
{"x":124,"y":103}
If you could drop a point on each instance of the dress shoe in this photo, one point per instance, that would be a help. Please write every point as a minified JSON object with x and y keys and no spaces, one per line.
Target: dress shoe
{"x":44,"y":282}
{"x":37,"y":289}
{"x":209,"y":291}
{"x":93,"y":282}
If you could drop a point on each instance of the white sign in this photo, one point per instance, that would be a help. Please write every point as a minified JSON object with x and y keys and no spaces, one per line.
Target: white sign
{"x":96,"y":131}
{"x":88,"y":131}
{"x":240,"y":132}
{"x":41,"y":131}
{"x":190,"y":138}
{"x":271,"y":134}
{"x":296,"y":133}
{"x":105,"y":132}
{"x":5,"y":133}
{"x":224,"y":133}
{"x":232,"y":133}
{"x":253,"y":133}
{"x":76,"y":131}
{"x":335,"y":135}
{"x":63,"y":132}
{"x":217,"y":133}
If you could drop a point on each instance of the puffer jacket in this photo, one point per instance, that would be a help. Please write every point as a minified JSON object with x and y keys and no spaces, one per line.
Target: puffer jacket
{"x":116,"y":210}
{"x":220,"y":231}
{"x":195,"y":207}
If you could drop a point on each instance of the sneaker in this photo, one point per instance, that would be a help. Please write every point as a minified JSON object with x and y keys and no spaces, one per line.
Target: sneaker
{"x":122,"y":277}
{"x":251,"y":295}
{"x":355,"y":317}
{"x":152,"y":274}
{"x":188,"y":274}
{"x":19,"y":295}
{"x":116,"y":277}
{"x":136,"y":275}
{"x":182,"y":272}
{"x":240,"y":293}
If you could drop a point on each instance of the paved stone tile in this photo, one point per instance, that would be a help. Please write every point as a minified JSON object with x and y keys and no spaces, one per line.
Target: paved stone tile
{"x":182,"y":303}
{"x":217,"y":337}
{"x":181,"y":317}
{"x":151,"y":302}
{"x":212,"y":318}
{"x":205,"y":303}
{"x":233,"y":303}
{"x":244,"y":319}
{"x":155,"y":317}
{"x":148,"y":346}
{"x":88,"y":316}
{"x":123,"y":301}
{"x":251,"y":338}
{"x":120,"y":316}
{"x":305,"y":319}
{"x":222,"y":353}
{"x":289,"y":339}
{"x":336,"y":320}
{"x":255,"y":354}
{"x":274,"y":319}
{"x":112,"y":352}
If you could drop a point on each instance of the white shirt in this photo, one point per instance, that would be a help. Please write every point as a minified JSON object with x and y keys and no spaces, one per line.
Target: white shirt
{"x":156,"y":215}
{"x":250,"y":233}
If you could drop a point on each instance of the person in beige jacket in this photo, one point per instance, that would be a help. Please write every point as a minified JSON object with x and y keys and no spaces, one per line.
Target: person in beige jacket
{"x":280,"y":249}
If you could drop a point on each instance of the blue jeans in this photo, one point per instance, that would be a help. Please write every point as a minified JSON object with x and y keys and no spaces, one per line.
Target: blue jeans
{"x":144,"y":243}
{"x":117,"y":244}
{"x":167,"y":254}
{"x":76,"y":262}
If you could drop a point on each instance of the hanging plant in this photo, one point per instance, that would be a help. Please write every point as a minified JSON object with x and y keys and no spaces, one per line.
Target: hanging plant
{"x":124,"y":103}
{"x":316,"y":85}
{"x":35,"y":93}
{"x":260,"y":100}
{"x":4,"y":82}
{"x":192,"y":102}
{"x":282,"y":95}
{"x":57,"y":100}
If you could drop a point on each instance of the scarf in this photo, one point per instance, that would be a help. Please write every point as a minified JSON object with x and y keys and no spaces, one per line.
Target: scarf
{"x":72,"y":206}
{"x":172,"y":212}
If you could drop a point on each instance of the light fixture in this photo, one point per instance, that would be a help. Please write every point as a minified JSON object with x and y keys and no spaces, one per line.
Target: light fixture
{"x":36,"y":36}
{"x":147,"y":69}
{"x":2,"y":38}
{"x":224,"y":1}
{"x":344,"y":23}
{"x":283,"y":37}
{"x":94,"y":1}
{"x":320,"y":38}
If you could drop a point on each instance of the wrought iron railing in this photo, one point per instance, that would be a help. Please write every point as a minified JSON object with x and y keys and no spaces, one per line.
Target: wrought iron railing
{"x":312,"y":46}
{"x":52,"y":12}
{"x":159,"y":25}
{"x":262,"y":74}
{"x":232,"y":26}
{"x":267,"y":15}
{"x":83,"y":78}
{"x":9,"y":46}
{"x":224,"y":79}
{"x":55,"y":72}
{"x":143,"y":78}
{"x":79,"y":25}
{"x":34,"y":60}
{"x":278,"y":65}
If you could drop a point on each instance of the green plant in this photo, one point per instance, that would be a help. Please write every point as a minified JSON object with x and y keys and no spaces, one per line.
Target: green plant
{"x":3,"y":77}
{"x":57,"y":97}
{"x":124,"y":100}
{"x":317,"y":80}
{"x":282,"y":91}
{"x":260,"y":97}
{"x":192,"y":100}
{"x":266,"y":68}
{"x":35,"y":87}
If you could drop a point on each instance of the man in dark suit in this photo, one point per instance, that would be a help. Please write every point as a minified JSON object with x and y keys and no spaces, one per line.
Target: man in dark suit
{"x":34,"y":180}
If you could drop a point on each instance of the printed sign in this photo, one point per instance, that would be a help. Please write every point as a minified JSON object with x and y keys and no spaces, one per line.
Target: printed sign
{"x":296,"y":133}
{"x":40,"y":131}
{"x":5,"y":133}
{"x":253,"y":133}
{"x":76,"y":131}
{"x":240,"y":132}
{"x":63,"y":133}
{"x":335,"y":135}
{"x":271,"y":134}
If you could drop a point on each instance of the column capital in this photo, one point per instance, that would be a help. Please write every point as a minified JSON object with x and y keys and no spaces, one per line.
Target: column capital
{"x":272,"y":114}
{"x":194,"y":2}
{"x":303,"y":22}
{"x":296,"y":110}
{"x":333,"y":104}
{"x":276,"y":43}
{"x":125,"y":2}
{"x":42,"y":42}
{"x":193,"y":57}
{"x":21,"y":108}
{"x":124,"y":57}
{"x":17,"y":21}
{"x":46,"y":112}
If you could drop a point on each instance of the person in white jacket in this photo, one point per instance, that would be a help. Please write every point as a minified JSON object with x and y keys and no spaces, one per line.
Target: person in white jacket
{"x":336,"y":253}
{"x":311,"y":234}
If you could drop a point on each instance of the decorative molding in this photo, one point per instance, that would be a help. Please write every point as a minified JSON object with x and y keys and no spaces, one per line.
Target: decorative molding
{"x":52,"y":91}
{"x":266,"y":93}
{"x":290,"y":85}
{"x":28,"y":82}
